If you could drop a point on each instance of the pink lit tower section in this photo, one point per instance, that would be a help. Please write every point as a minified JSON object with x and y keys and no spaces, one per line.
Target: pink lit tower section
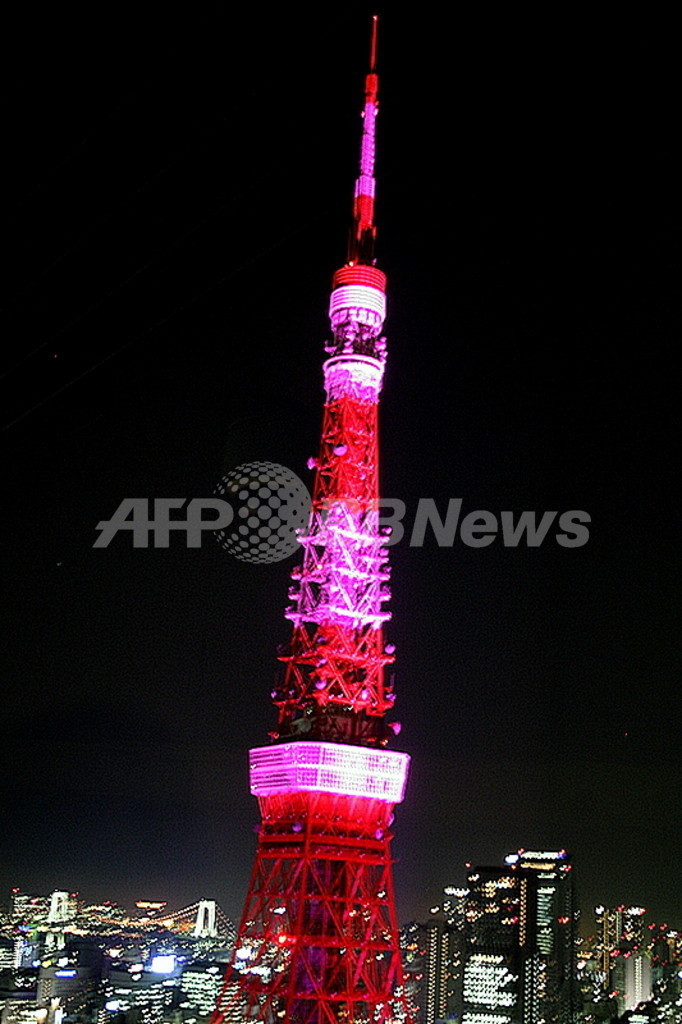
{"x":318,"y":941}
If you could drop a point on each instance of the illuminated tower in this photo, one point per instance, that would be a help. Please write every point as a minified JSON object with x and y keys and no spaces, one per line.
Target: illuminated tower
{"x":318,"y":942}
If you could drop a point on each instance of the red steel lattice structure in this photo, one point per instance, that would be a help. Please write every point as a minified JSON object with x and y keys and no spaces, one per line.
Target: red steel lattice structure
{"x":318,"y":942}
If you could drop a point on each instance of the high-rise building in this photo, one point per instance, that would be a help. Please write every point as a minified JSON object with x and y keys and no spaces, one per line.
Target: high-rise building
{"x":200,"y":987}
{"x":624,"y":960}
{"x":318,"y":940}
{"x":519,"y":950}
{"x":454,"y":913}
{"x":433,"y":959}
{"x":637,"y":979}
{"x":137,"y":995}
{"x":619,"y":930}
{"x":428,"y":957}
{"x":28,"y":908}
{"x":498,"y":917}
{"x":6,"y":953}
{"x":19,"y":998}
{"x":72,"y":985}
{"x":666,"y":969}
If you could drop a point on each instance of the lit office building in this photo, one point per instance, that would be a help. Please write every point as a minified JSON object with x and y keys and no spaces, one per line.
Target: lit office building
{"x":519,"y":958}
{"x":622,"y":940}
{"x":18,"y":1002}
{"x":200,"y":986}
{"x":20,"y":1010}
{"x":73,"y":986}
{"x":637,"y":979}
{"x":619,"y":930}
{"x":28,"y":908}
{"x":427,"y":964}
{"x":497,"y":918}
{"x":6,"y":954}
{"x":133,"y":994}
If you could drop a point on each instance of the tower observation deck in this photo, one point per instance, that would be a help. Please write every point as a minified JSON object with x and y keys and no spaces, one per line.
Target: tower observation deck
{"x":318,"y":941}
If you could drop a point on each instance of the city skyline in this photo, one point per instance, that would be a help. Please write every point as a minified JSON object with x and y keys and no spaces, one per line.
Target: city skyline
{"x":163,"y":905}
{"x":504,"y":948}
{"x":159,"y":338}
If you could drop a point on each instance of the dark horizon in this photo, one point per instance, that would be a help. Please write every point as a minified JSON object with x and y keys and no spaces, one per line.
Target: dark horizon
{"x":178,"y":197}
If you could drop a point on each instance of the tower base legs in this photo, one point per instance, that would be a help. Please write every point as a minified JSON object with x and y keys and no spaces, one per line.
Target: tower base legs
{"x":318,"y":941}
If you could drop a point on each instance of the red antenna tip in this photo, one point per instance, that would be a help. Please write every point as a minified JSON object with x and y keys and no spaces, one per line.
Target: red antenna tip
{"x":373,"y":44}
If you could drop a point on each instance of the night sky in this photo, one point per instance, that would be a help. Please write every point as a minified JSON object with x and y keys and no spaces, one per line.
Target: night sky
{"x":176,"y":199}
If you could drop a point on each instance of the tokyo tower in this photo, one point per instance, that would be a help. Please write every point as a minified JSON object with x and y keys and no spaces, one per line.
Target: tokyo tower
{"x":318,"y":941}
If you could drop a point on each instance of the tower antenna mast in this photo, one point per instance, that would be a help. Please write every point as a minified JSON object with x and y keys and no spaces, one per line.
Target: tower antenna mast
{"x":363,"y":234}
